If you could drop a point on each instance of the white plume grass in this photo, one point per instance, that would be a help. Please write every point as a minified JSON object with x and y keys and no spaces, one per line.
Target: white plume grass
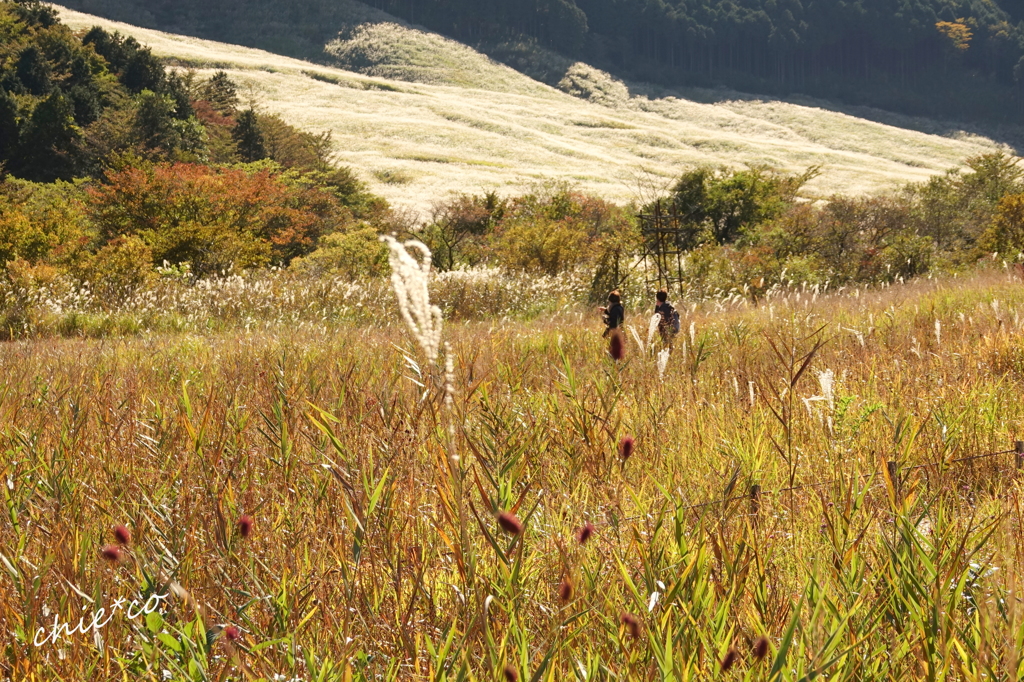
{"x":663,"y":362}
{"x":652,"y":327}
{"x":410,"y":277}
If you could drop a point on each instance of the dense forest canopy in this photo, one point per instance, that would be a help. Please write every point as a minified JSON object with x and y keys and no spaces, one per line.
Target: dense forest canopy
{"x":960,"y":58}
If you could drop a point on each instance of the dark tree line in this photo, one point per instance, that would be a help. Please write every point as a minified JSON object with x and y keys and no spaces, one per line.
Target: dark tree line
{"x":67,"y":102}
{"x":951,"y":57}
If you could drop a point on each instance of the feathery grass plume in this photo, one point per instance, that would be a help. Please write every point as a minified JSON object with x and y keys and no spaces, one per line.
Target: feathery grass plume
{"x":244,"y":525}
{"x":636,"y":337}
{"x":565,"y":589}
{"x":510,"y":523}
{"x":410,"y":278}
{"x":827,"y":381}
{"x":760,"y":648}
{"x":585,"y":532}
{"x":652,"y":327}
{"x":663,"y":362}
{"x":731,"y":656}
{"x":111,"y":553}
{"x":626,"y":447}
{"x":122,"y":535}
{"x":511,"y":674}
{"x":617,"y":345}
{"x":631,"y":623}
{"x":938,"y":332}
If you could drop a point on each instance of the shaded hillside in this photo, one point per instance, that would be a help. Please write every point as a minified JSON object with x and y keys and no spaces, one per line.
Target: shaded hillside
{"x":961,"y":59}
{"x":470,"y":124}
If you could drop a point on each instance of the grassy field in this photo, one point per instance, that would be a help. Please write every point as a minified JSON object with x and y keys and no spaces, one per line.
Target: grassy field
{"x":420,"y":116}
{"x":314,"y":507}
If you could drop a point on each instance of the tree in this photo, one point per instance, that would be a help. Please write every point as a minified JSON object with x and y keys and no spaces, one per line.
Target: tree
{"x":221,"y":93}
{"x":48,"y":147}
{"x":249,"y":137}
{"x":456,"y":220}
{"x":8,"y":127}
{"x":716,"y":206}
{"x":157,"y":129}
{"x":215,"y":219}
{"x":957,"y":33}
{"x":34,"y":72}
{"x":1006,"y":235}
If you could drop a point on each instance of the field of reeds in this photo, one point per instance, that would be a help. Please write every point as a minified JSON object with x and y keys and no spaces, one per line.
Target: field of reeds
{"x":793,"y":492}
{"x":419,"y":116}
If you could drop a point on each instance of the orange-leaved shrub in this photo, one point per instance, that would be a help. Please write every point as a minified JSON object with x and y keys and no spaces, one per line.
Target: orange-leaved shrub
{"x":216,"y":219}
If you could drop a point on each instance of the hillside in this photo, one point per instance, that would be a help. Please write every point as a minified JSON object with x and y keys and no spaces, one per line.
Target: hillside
{"x":962,"y":60}
{"x":420,"y":116}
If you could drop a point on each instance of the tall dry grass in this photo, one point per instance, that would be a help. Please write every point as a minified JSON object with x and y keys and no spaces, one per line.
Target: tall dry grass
{"x":316,"y":512}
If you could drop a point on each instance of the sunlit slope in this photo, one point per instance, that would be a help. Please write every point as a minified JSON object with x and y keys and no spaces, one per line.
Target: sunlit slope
{"x":425,"y":116}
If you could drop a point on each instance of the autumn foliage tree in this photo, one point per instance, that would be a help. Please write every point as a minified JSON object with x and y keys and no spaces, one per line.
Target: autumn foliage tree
{"x":1006,"y":235}
{"x":215,"y":219}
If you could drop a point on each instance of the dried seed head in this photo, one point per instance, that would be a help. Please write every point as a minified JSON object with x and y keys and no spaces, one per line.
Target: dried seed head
{"x":509,"y":523}
{"x":111,"y":553}
{"x":585,"y":532}
{"x":244,"y":525}
{"x":626,"y":447}
{"x":617,"y":345}
{"x":565,"y":590}
{"x":232,"y":633}
{"x":122,"y":535}
{"x":632,"y":625}
{"x":731,"y":656}
{"x":410,"y":276}
{"x":511,"y":674}
{"x":760,"y":648}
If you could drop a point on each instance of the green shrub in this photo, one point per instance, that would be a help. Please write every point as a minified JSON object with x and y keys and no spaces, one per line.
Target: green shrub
{"x":120,"y":269}
{"x":351,"y":254}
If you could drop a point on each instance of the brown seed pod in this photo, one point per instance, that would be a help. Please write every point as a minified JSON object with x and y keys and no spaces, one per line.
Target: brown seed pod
{"x":111,"y":553}
{"x":509,"y":523}
{"x":565,"y":590}
{"x":244,"y":525}
{"x":632,"y":625}
{"x":760,"y":648}
{"x":731,"y":656}
{"x":626,"y":447}
{"x":122,"y":535}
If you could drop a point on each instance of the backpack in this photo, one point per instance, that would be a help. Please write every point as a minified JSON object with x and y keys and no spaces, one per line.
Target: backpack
{"x":673,"y":320}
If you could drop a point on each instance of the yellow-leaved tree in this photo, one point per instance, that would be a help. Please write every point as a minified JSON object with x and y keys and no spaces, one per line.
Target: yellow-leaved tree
{"x":1006,"y":235}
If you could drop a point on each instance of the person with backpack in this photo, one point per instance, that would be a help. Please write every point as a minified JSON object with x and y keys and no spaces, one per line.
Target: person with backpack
{"x":669,"y":325}
{"x":614,"y":314}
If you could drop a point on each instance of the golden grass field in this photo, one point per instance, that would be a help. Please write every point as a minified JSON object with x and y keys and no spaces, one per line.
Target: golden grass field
{"x":315,"y":510}
{"x":822,"y":484}
{"x":435,"y":117}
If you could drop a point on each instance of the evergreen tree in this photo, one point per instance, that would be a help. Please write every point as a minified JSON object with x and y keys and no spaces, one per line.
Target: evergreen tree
{"x":8,"y":127}
{"x":49,"y":142}
{"x":221,"y":93}
{"x":34,"y":72}
{"x":249,"y":137}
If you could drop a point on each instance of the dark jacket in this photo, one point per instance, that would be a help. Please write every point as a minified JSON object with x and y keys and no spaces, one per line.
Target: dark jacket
{"x":614,"y":316}
{"x":665,"y":310}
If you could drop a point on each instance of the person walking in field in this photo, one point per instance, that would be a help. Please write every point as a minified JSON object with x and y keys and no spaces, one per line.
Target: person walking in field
{"x":669,"y":325}
{"x":613,"y":314}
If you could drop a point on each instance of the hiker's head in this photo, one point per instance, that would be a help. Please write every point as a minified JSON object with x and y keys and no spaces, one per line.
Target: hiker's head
{"x":614,"y":297}
{"x":662,"y":296}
